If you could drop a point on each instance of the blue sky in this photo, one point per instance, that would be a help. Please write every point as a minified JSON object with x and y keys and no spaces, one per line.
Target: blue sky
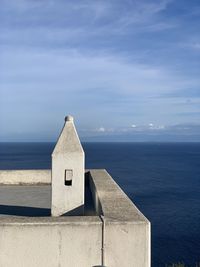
{"x":126,"y":70}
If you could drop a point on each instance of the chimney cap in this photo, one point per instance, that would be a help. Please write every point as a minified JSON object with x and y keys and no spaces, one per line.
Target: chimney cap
{"x":69,"y":118}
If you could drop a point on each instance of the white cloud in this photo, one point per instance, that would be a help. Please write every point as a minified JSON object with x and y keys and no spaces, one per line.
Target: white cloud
{"x":101,"y":129}
{"x":152,"y":126}
{"x":161,"y":127}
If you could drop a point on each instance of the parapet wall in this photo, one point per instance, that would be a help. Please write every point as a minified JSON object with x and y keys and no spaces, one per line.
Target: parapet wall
{"x":118,"y":236}
{"x":126,"y":231}
{"x":17,"y":177}
{"x":48,"y":242}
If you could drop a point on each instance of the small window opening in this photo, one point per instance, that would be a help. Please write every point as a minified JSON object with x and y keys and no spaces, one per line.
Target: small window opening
{"x":68,"y":177}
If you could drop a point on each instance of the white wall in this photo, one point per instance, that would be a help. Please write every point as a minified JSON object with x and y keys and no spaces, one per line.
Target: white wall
{"x":25,"y":177}
{"x":126,"y":231}
{"x":72,"y":242}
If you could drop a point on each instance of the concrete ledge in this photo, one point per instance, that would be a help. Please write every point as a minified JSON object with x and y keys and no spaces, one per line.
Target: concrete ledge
{"x":75,"y":220}
{"x":23,"y":177}
{"x":126,"y":231}
{"x":114,"y":203}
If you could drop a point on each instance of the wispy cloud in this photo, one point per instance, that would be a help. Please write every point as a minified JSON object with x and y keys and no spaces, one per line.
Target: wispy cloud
{"x":64,"y":22}
{"x":110,"y":63}
{"x":158,"y":133}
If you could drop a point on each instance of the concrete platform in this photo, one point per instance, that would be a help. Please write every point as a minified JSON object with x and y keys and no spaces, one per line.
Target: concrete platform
{"x":33,"y":201}
{"x":26,"y":200}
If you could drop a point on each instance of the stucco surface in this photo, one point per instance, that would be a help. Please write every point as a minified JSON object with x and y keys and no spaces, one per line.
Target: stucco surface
{"x":126,"y":231}
{"x":25,"y":177}
{"x":68,"y":157}
{"x":53,"y":242}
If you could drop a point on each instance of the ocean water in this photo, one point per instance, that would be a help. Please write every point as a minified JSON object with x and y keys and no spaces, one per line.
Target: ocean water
{"x":162,"y":179}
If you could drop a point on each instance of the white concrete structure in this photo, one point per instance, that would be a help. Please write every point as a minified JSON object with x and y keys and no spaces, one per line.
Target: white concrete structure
{"x":68,"y":167}
{"x":126,"y":231}
{"x":112,"y":232}
{"x":117,"y":235}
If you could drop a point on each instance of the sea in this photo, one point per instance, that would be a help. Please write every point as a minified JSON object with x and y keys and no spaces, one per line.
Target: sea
{"x":162,"y":179}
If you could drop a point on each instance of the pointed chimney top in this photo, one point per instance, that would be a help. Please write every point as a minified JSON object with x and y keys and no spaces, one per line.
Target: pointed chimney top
{"x":69,"y":118}
{"x":68,"y":140}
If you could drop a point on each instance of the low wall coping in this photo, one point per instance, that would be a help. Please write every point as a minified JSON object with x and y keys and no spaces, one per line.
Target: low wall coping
{"x":23,"y":177}
{"x":115,"y":204}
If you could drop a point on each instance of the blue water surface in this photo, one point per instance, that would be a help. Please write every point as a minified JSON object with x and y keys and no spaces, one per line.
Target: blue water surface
{"x":163,"y":180}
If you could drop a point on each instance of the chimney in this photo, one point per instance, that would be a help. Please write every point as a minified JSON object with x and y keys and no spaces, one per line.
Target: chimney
{"x":68,"y":167}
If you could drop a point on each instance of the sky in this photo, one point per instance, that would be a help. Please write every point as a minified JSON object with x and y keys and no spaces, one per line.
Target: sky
{"x":127,"y":70}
